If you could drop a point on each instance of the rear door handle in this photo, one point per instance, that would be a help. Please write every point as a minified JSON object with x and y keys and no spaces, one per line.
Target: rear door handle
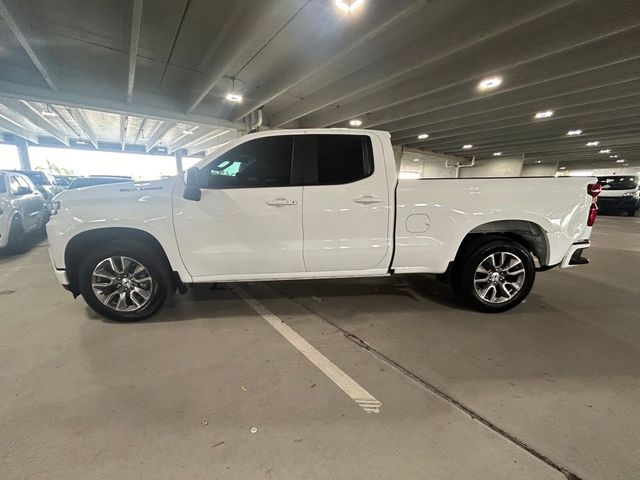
{"x":367,"y":199}
{"x":280,"y":202}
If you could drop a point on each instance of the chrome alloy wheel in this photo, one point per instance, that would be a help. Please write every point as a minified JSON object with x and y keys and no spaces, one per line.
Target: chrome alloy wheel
{"x":122,"y":284}
{"x":499,"y":277}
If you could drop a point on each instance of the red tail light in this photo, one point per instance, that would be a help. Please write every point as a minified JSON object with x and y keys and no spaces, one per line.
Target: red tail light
{"x":593,"y":214}
{"x":594,"y":189}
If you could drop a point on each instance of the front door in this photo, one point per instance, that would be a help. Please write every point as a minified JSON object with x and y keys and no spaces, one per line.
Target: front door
{"x":248,"y":221}
{"x":346,"y":204}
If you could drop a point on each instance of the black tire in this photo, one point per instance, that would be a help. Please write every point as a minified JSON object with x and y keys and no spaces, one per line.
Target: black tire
{"x":463,"y":278}
{"x":17,"y":239}
{"x":154,"y":263}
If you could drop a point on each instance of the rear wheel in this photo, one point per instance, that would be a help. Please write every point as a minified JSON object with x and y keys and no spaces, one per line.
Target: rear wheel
{"x":494,"y":275}
{"x":17,"y":238}
{"x":124,"y":281}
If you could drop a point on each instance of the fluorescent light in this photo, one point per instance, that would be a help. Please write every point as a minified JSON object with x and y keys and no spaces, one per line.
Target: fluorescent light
{"x":48,"y":112}
{"x":497,"y":154}
{"x":422,"y":136}
{"x":574,"y":132}
{"x":349,"y":5}
{"x":355,"y":122}
{"x":416,"y":159}
{"x":490,"y":83}
{"x":605,"y":150}
{"x":467,"y":146}
{"x":538,"y":161}
{"x":593,"y":144}
{"x":620,"y":161}
{"x":187,"y":132}
{"x":80,"y":142}
{"x":234,"y":97}
{"x":613,"y":156}
{"x":563,"y":168}
{"x":545,"y":114}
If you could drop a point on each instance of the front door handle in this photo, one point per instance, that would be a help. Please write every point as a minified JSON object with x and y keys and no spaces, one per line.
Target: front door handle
{"x":280,"y":202}
{"x":367,"y":199}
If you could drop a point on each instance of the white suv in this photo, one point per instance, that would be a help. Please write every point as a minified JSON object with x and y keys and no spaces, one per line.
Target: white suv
{"x":22,"y":209}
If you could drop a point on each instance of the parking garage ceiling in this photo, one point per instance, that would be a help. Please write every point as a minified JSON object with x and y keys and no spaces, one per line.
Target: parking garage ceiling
{"x":148,"y":70}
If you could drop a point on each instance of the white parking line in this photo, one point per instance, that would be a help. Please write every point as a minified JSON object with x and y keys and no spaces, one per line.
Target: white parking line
{"x":347,"y":384}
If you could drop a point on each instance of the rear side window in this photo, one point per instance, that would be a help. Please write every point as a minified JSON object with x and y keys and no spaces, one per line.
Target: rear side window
{"x":14,"y":185}
{"x":343,"y":158}
{"x":263,"y":162}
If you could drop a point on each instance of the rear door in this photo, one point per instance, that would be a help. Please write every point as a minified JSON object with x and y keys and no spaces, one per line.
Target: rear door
{"x":30,"y":203}
{"x":248,"y":221}
{"x":346,"y":203}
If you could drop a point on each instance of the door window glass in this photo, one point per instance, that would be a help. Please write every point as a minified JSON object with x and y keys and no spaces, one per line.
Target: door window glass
{"x":343,"y":158}
{"x":25,"y":185}
{"x":263,"y":162}
{"x":14,"y":185}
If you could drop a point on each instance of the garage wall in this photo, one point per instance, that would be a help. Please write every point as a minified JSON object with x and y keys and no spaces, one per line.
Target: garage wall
{"x":494,"y":167}
{"x":420,"y":164}
{"x":539,"y":170}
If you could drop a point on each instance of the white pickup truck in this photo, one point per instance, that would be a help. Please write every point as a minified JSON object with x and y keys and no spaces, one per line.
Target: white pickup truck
{"x":300,"y":204}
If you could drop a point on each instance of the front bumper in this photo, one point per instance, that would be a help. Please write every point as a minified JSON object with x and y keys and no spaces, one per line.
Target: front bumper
{"x":574,"y":257}
{"x":609,"y":204}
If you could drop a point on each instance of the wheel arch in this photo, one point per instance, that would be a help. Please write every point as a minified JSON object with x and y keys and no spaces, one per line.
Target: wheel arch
{"x":530,"y":234}
{"x":83,"y":242}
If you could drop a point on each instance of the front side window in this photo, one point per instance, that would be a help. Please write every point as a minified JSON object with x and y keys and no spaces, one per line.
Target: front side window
{"x":343,"y":158}
{"x":3,"y":184}
{"x":263,"y":162}
{"x":25,"y":185}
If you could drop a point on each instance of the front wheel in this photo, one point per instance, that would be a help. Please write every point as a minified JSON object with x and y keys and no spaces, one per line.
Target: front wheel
{"x":495,"y":276}
{"x":124,"y":281}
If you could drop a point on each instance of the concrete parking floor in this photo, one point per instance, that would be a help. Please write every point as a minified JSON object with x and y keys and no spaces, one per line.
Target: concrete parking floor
{"x":548,"y":390}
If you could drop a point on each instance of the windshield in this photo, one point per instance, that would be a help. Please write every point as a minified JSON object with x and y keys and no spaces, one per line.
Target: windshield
{"x":39,"y":178}
{"x":618,"y":183}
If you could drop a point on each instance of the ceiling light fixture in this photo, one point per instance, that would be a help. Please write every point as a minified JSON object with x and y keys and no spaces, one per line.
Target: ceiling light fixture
{"x":593,"y":144}
{"x":422,"y":136}
{"x":234,"y":97}
{"x":538,"y":161}
{"x":48,"y":112}
{"x":605,"y":150}
{"x":467,"y":146}
{"x":348,"y":5}
{"x":545,"y":114}
{"x":497,"y":154}
{"x":574,"y":132}
{"x":355,"y":122}
{"x":563,"y":168}
{"x":490,"y":83}
{"x":416,"y":159}
{"x":613,"y":156}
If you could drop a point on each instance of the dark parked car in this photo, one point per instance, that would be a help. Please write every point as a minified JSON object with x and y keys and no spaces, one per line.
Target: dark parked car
{"x":64,"y":180}
{"x":91,"y":181}
{"x":620,"y":194}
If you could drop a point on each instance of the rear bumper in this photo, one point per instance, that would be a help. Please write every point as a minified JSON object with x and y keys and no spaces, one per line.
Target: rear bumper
{"x":574,"y":257}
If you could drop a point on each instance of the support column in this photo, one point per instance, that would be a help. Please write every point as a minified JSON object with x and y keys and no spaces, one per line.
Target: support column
{"x":23,"y":153}
{"x":179,"y":168}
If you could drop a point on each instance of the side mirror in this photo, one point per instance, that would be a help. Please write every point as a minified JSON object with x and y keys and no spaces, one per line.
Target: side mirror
{"x":192,"y":185}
